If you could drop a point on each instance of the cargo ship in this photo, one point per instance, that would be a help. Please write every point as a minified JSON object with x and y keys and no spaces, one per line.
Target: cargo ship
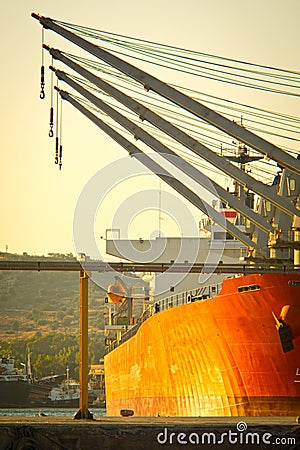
{"x":214,"y":347}
{"x":18,"y":389}
{"x":230,"y":348}
{"x":218,"y":356}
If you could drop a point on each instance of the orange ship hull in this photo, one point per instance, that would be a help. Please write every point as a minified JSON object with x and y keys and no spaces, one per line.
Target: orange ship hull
{"x":215,"y":357}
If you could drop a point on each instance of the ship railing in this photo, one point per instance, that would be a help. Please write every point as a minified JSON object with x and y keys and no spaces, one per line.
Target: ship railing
{"x":182,"y":298}
{"x":172,"y":301}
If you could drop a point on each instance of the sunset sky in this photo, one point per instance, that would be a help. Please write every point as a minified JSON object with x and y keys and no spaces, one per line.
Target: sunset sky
{"x":37,"y":200}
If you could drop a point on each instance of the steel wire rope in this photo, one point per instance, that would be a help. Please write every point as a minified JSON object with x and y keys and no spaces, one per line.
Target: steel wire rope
{"x":153,"y":129}
{"x":166,"y":57}
{"x":203,"y":75}
{"x":180,"y":121}
{"x":175,"y":147}
{"x":267,"y":117}
{"x":287,"y":93}
{"x":212,"y":78}
{"x":230,"y":115}
{"x":94,"y":32}
{"x":177,"y":121}
{"x":94,"y":108}
{"x":113,"y":72}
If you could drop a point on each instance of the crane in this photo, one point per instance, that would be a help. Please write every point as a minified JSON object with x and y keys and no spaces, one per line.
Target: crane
{"x":281,"y":202}
{"x":172,"y":94}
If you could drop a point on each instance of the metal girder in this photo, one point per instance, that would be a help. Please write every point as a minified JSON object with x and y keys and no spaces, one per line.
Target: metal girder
{"x":164,"y":151}
{"x":158,"y":170}
{"x":177,"y":97}
{"x":183,"y":138}
{"x":101,"y":266}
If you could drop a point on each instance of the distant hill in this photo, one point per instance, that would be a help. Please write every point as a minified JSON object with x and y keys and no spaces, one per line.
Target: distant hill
{"x":45,"y":301}
{"x":39,"y":311}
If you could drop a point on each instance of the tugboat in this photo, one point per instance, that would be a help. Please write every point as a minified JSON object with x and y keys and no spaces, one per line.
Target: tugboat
{"x":67,"y":394}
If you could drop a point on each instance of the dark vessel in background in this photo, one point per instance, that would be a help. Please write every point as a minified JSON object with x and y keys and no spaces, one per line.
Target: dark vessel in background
{"x":19,"y":390}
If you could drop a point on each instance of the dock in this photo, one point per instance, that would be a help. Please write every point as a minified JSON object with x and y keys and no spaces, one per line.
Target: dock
{"x":148,"y":433}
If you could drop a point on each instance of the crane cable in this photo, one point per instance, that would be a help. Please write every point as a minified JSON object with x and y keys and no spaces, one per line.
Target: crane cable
{"x":265,"y":114}
{"x":42,"y":92}
{"x":161,"y":53}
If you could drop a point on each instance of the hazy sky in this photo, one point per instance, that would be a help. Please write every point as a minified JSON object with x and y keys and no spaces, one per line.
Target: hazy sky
{"x":38,"y":201}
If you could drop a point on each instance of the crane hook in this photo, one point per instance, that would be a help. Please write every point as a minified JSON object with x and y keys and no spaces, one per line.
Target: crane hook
{"x":42,"y":93}
{"x":60,"y":157}
{"x":51,"y":134}
{"x":56,"y":150}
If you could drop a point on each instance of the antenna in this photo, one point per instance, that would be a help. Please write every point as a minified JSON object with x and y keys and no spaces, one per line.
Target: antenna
{"x":159,"y":210}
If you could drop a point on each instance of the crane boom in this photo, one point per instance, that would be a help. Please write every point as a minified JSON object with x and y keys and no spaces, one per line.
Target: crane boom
{"x":150,"y":82}
{"x":164,"y":175}
{"x":172,"y":157}
{"x":184,"y":138}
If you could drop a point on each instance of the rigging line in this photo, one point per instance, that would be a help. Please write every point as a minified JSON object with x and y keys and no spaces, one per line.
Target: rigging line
{"x":292,"y":118}
{"x":113,"y":72}
{"x":198,"y":135}
{"x":56,"y":126}
{"x":51,"y":134}
{"x":172,"y":115}
{"x":197,"y":122}
{"x":204,"y":138}
{"x":166,"y":57}
{"x":60,"y":133}
{"x":42,"y":83}
{"x":267,"y":117}
{"x":192,"y":132}
{"x":271,"y":133}
{"x":169,"y":140}
{"x":220,"y":79}
{"x":77,"y":27}
{"x":116,"y":126}
{"x":268,"y":176}
{"x":234,"y":116}
{"x":173,"y":145}
{"x":137,"y":122}
{"x":291,"y":129}
{"x":60,"y":120}
{"x":203,"y":75}
{"x":43,"y":51}
{"x":156,"y":108}
{"x":233,"y":152}
{"x":130,"y":134}
{"x":265,"y":120}
{"x":152,"y":52}
{"x":154,"y":131}
{"x":195,"y":135}
{"x":142,"y":93}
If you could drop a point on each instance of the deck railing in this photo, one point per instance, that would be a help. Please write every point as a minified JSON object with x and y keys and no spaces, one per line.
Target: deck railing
{"x":171,"y":301}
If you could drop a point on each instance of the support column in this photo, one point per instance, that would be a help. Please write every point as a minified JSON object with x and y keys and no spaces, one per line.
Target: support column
{"x":297,"y":252}
{"x":83,"y":412}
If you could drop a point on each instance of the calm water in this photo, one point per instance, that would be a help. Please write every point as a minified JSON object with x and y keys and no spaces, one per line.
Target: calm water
{"x":49,"y":411}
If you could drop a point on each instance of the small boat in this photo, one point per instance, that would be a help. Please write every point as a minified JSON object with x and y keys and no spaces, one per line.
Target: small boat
{"x":67,"y":394}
